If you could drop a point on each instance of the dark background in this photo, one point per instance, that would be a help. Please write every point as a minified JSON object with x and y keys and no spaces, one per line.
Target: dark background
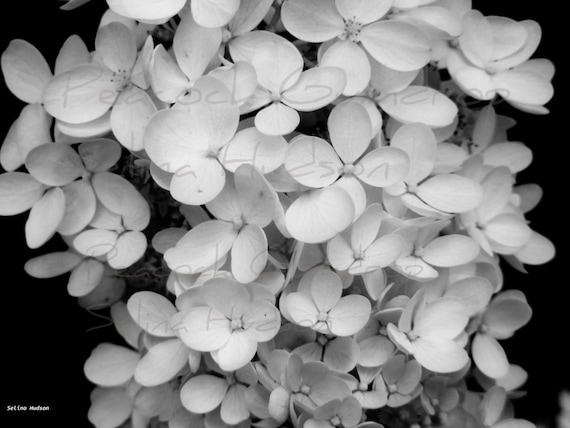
{"x":47,"y":336}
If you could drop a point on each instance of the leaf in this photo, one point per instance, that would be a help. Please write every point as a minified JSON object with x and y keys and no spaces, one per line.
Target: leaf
{"x":314,"y":22}
{"x":110,"y":407}
{"x":489,"y":356}
{"x":419,"y":104}
{"x":202,"y":247}
{"x":249,"y":253}
{"x":249,"y":146}
{"x":450,"y":193}
{"x":25,"y":71}
{"x":383,"y":167}
{"x":350,"y":130}
{"x":153,"y":11}
{"x":214,"y":13}
{"x":80,"y":206}
{"x":30,"y":130}
{"x":277,"y":119}
{"x":45,"y":217}
{"x":130,"y":116}
{"x":52,"y":264}
{"x":54,"y":164}
{"x":419,"y":143}
{"x":320,"y":214}
{"x":152,"y":312}
{"x":85,"y":277}
{"x":100,"y":154}
{"x":18,"y":192}
{"x":315,"y":88}
{"x":110,"y":365}
{"x":350,"y":58}
{"x":129,"y":248}
{"x":116,"y":46}
{"x":121,"y":197}
{"x":350,"y":315}
{"x":82,"y":94}
{"x":161,"y":363}
{"x":195,"y":46}
{"x":450,"y":250}
{"x":312,"y":161}
{"x":203,"y":393}
{"x":397,"y":45}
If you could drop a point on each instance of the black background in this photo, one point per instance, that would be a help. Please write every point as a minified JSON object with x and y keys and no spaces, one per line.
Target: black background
{"x":46,"y":336}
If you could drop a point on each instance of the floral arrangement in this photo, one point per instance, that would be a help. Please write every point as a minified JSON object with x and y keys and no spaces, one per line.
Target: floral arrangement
{"x":295,"y":209}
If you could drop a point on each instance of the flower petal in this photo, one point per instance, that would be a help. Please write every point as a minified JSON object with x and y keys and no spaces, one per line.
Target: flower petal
{"x":350,"y":130}
{"x":195,"y":46}
{"x":375,"y":351}
{"x":419,"y":143}
{"x":381,"y":253}
{"x":256,"y":196}
{"x":25,"y":71}
{"x":440,"y":356}
{"x":52,"y":264}
{"x":277,"y":119}
{"x":147,"y":10}
{"x":419,"y":104}
{"x":363,"y":11}
{"x":248,"y":16}
{"x":523,"y":87}
{"x":489,"y":356}
{"x":397,"y":45}
{"x":326,"y":290}
{"x":54,"y":164}
{"x":349,"y":316}
{"x":129,"y":117}
{"x":214,"y":13}
{"x":110,"y":407}
{"x":312,"y":161}
{"x":110,"y":365}
{"x":18,"y":192}
{"x":538,"y":250}
{"x":239,"y":350}
{"x":261,"y":320}
{"x":198,"y":183}
{"x":95,"y":242}
{"x":100,"y":154}
{"x":129,"y":248}
{"x":339,"y":253}
{"x":203,"y":393}
{"x":45,"y":217}
{"x":202,"y":328}
{"x":152,"y":312}
{"x":341,"y":354}
{"x":201,"y":247}
{"x":80,"y":205}
{"x":320,"y":214}
{"x":85,"y":277}
{"x":315,"y":88}
{"x":515,"y":156}
{"x":161,"y":363}
{"x":72,"y":53}
{"x":350,"y":58}
{"x":451,"y":193}
{"x":249,"y":254}
{"x":508,"y":230}
{"x":450,"y":250}
{"x":116,"y":46}
{"x":384,"y":166}
{"x":315,"y":21}
{"x":168,"y":81}
{"x":302,"y":309}
{"x":234,"y":408}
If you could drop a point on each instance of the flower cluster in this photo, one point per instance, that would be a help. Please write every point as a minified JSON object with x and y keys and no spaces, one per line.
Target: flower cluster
{"x":291,"y":212}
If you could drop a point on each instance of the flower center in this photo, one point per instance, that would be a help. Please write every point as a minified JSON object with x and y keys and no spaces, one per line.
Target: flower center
{"x":236,"y":324}
{"x":351,"y":31}
{"x":238,"y":222}
{"x":335,"y":421}
{"x":348,"y":169}
{"x":392,"y":388}
{"x":362,"y":386}
{"x":323,"y":316}
{"x":305,"y":389}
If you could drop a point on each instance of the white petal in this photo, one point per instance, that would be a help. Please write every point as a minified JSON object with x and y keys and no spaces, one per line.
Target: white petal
{"x":121,"y":197}
{"x":420,"y":104}
{"x":397,"y":45}
{"x":320,"y":214}
{"x":497,"y":189}
{"x":161,"y":363}
{"x":440,"y":356}
{"x":129,"y":248}
{"x":54,"y":164}
{"x":85,"y":277}
{"x":474,"y":81}
{"x":100,"y":154}
{"x":515,"y":156}
{"x":240,"y":79}
{"x":508,"y":230}
{"x":312,"y":161}
{"x":110,"y":407}
{"x":195,"y":46}
{"x":236,"y":352}
{"x":349,"y":316}
{"x":66,"y":132}
{"x":80,"y":205}
{"x":202,"y":328}
{"x":389,"y":81}
{"x":116,"y":46}
{"x":277,"y":119}
{"x":315,"y":88}
{"x":265,"y":152}
{"x":474,"y":292}
{"x":365,"y":228}
{"x":350,"y":130}
{"x":261,"y":320}
{"x":420,"y":144}
{"x":30,"y":130}
{"x":339,"y":253}
{"x":383,"y":167}
{"x":249,"y":254}
{"x":450,"y":250}
{"x":147,"y":10}
{"x":354,"y":188}
{"x":95,"y":242}
{"x":342,"y":354}
{"x":129,"y":117}
{"x":45,"y":217}
{"x":350,"y":58}
{"x":302,"y":309}
{"x":167,"y":79}
{"x":523,"y":87}
{"x":316,"y":21}
{"x":375,"y":351}
{"x":81,"y":94}
{"x":152,"y":312}
{"x":363,"y":11}
{"x":451,"y":193}
{"x":476,"y":42}
{"x":538,"y":250}
{"x":72,"y":53}
{"x":248,"y":16}
{"x":489,"y":356}
{"x":26,"y":71}
{"x":52,"y":264}
{"x":449,"y":158}
{"x":201,"y":247}
{"x":198,"y":184}
{"x":18,"y":192}
{"x":381,"y":253}
{"x":444,"y":318}
{"x":235,"y":407}
{"x":326,"y":290}
{"x":110,"y":365}
{"x":214,"y":13}
{"x":203,"y":393}
{"x":124,"y":324}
